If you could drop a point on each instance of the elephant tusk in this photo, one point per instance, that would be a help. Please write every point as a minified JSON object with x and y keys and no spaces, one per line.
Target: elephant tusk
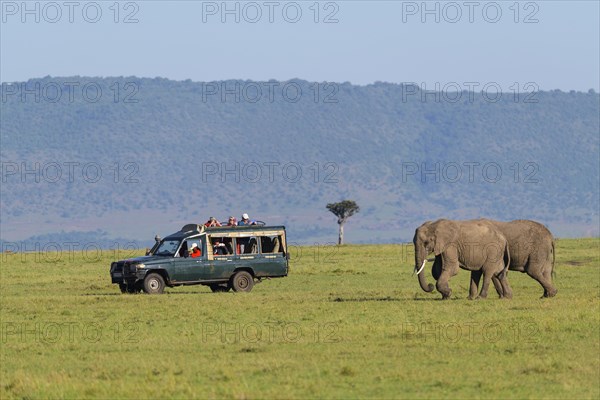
{"x":422,"y":266}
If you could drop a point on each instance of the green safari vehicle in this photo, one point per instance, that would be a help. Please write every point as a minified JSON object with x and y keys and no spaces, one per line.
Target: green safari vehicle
{"x":223,"y":258}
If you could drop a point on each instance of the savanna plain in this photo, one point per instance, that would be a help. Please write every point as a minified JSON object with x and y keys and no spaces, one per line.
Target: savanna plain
{"x":348,"y":322}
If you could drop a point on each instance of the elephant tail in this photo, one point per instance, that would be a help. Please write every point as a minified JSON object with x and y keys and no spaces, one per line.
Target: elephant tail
{"x":553,"y":259}
{"x":506,"y":258}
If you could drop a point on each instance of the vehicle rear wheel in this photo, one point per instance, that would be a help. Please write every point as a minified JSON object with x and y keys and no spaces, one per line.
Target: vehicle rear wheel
{"x":154,"y":284}
{"x":242,"y":281}
{"x":216,"y":288}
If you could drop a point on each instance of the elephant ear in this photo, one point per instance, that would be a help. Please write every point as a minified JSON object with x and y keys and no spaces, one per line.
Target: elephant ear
{"x":445,"y":235}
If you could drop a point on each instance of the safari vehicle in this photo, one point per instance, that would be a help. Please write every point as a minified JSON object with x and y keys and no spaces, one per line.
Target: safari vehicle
{"x":230,"y":257}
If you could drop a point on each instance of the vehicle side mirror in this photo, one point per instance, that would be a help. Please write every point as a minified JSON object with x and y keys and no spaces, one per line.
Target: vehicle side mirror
{"x":287,"y":256}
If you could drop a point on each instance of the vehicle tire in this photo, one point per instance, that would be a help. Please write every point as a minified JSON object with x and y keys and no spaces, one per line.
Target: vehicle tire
{"x":242,"y":281}
{"x":216,"y":288}
{"x":154,"y":284}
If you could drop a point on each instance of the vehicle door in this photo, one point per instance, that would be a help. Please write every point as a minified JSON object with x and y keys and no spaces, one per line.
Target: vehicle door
{"x":250,"y":256}
{"x":185,"y":268}
{"x":270,"y":258}
{"x":224,"y":256}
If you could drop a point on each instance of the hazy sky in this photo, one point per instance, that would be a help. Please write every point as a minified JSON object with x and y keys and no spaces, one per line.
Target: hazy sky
{"x":554,"y":44}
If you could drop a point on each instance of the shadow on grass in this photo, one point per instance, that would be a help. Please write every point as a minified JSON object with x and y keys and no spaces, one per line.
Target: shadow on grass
{"x":361,"y":299}
{"x":387,"y":298}
{"x":198,"y":293}
{"x":436,"y":299}
{"x":144,"y":294}
{"x":102,"y":294}
{"x":579,"y":263}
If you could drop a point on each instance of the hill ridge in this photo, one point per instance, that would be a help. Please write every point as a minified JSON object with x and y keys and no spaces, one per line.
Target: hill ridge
{"x":173,"y":151}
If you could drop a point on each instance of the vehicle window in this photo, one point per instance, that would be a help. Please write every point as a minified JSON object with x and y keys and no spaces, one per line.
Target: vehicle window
{"x":197,"y":241}
{"x":229,"y":245}
{"x":271,"y":244}
{"x":189,"y":244}
{"x":251,"y":247}
{"x":167,"y":248}
{"x":221,"y":246}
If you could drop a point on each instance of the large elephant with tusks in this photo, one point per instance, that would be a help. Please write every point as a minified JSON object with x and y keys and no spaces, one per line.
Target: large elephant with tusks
{"x":474,"y":245}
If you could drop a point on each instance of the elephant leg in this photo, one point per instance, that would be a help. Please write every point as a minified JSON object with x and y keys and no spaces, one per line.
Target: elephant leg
{"x":487,"y":278}
{"x":475,"y":278}
{"x":436,"y":268}
{"x":549,"y":290}
{"x":502,"y":287}
{"x":442,"y":285}
{"x":538,"y":275}
{"x":498,"y":286}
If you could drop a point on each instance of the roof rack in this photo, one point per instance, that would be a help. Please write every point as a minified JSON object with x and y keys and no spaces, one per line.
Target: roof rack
{"x":192,"y":228}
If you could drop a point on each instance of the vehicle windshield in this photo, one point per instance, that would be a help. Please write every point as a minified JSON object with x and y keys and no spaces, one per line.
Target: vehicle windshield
{"x":167,"y":248}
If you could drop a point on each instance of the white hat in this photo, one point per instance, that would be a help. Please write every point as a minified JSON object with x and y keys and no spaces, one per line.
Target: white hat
{"x":194,"y":245}
{"x":245,"y":216}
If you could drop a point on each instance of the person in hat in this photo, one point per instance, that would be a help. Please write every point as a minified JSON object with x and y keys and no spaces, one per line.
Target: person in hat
{"x":227,"y":240}
{"x":246,"y":220}
{"x":219,"y":247}
{"x":232,"y":221}
{"x":212,"y":221}
{"x":243,"y":241}
{"x":195,"y":251}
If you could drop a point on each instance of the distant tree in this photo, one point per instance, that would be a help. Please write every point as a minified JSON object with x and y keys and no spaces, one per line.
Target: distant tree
{"x":343,"y":210}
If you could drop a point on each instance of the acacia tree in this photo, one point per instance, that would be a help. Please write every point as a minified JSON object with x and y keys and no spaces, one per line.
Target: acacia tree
{"x":343,"y":210}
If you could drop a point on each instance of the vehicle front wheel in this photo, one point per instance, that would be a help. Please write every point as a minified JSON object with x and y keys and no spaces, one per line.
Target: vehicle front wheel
{"x":242,"y":281}
{"x":216,"y":288}
{"x":154,"y":284}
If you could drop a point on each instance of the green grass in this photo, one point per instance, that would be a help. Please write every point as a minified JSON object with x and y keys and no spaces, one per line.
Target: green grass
{"x":348,"y":322}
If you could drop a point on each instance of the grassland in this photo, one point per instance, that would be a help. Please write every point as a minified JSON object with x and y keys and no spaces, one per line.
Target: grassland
{"x":348,"y":322}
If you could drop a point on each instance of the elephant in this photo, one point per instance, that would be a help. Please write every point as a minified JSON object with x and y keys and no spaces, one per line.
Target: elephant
{"x":436,"y":270}
{"x":471,"y":245}
{"x":531,"y":248}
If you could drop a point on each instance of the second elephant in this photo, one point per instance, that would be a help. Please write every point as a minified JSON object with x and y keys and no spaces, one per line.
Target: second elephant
{"x":531,"y":251}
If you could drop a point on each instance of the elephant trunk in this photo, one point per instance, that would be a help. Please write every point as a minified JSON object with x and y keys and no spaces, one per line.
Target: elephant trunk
{"x":420,"y":260}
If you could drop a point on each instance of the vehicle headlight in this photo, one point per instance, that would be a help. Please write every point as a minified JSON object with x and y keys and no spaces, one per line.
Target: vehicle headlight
{"x":136,"y":267}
